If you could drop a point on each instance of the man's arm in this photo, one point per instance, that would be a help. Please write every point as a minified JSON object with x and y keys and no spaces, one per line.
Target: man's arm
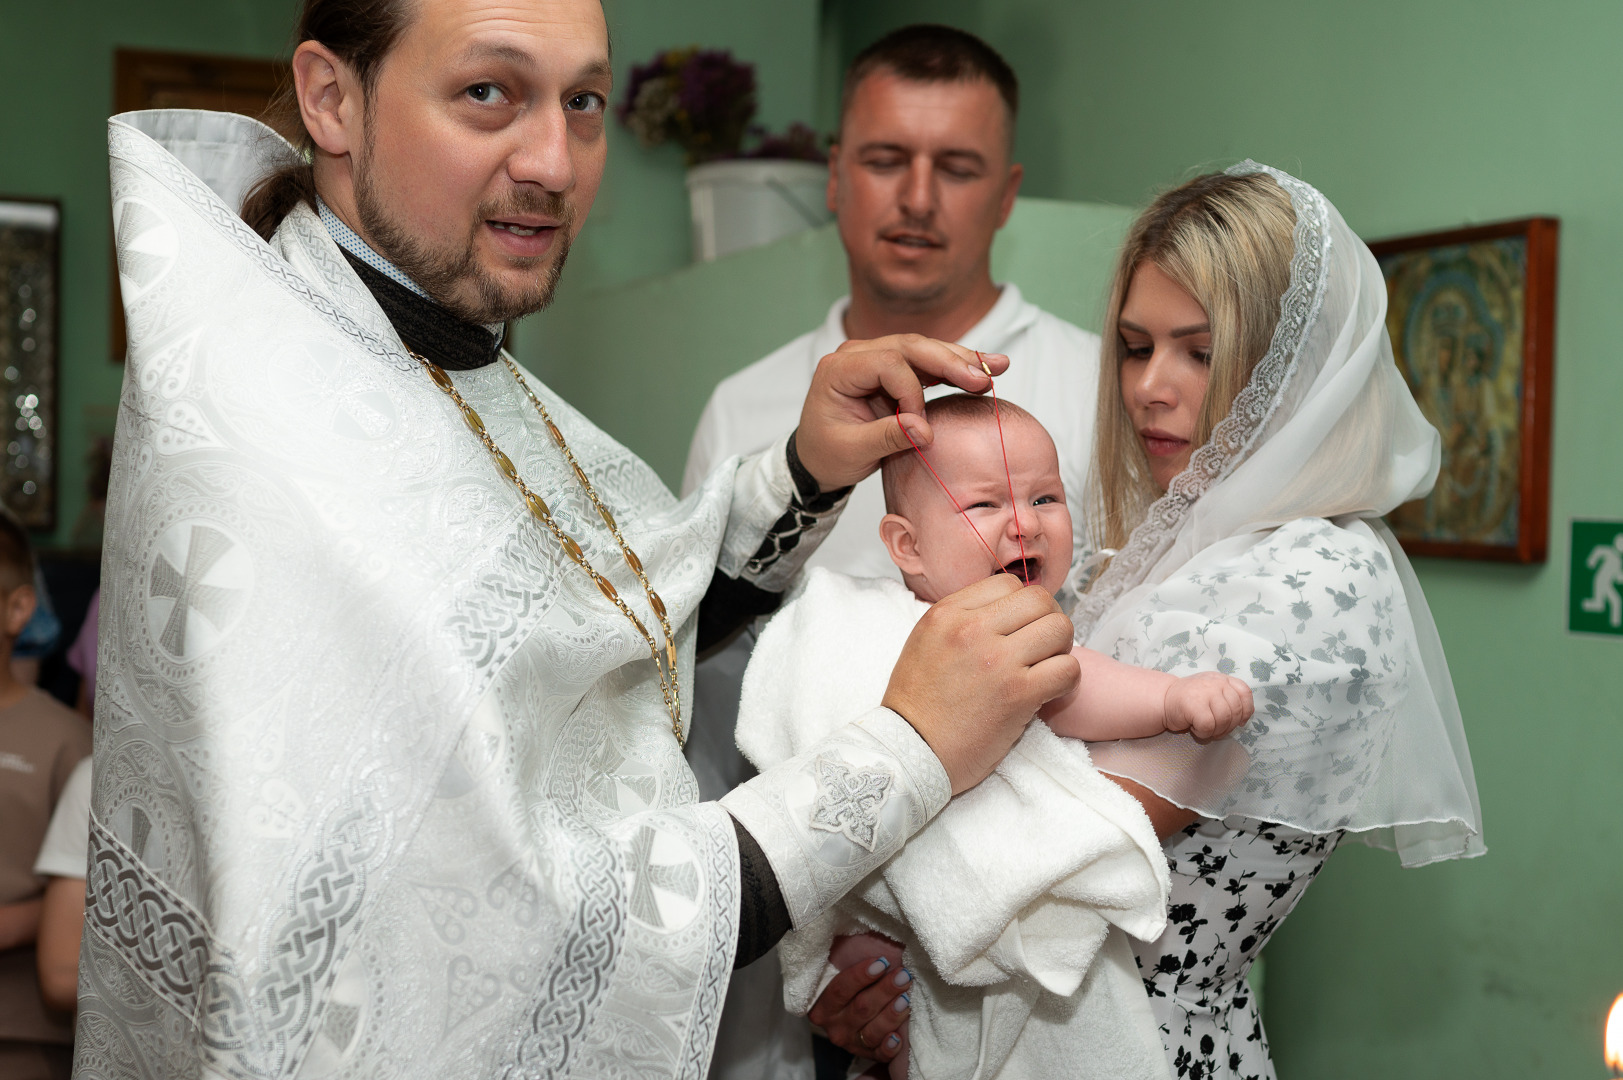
{"x":755,"y":588}
{"x":61,"y":925}
{"x":19,"y":923}
{"x":763,"y":916}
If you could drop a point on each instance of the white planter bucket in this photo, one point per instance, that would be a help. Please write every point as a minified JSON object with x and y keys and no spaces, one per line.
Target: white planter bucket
{"x":740,"y":204}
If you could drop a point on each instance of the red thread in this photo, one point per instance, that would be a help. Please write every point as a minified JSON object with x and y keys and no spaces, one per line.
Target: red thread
{"x":944,"y":487}
{"x":997,"y":414}
{"x":1014,"y":507}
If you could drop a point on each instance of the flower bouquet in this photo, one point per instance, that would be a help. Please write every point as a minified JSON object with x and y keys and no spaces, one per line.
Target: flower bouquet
{"x":703,"y":100}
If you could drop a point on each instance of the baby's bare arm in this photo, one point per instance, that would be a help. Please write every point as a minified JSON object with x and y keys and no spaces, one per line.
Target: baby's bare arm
{"x":1111,"y":701}
{"x":1118,"y":701}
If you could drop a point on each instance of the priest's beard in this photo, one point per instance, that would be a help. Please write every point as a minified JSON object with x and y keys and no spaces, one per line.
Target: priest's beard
{"x":442,"y":272}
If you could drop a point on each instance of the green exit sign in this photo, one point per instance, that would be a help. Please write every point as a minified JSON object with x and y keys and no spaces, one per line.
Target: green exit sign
{"x":1595,"y":600}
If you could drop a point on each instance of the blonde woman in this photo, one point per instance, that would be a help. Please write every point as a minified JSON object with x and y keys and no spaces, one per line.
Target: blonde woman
{"x":1253,"y":428}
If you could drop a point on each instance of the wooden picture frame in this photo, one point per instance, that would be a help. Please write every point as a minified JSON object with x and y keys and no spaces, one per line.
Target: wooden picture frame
{"x":144,"y":79}
{"x":1471,"y":314}
{"x":30,"y":357}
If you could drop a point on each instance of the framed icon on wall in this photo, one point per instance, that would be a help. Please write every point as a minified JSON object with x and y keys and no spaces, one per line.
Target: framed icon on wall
{"x":1471,"y":314}
{"x":30,"y":255}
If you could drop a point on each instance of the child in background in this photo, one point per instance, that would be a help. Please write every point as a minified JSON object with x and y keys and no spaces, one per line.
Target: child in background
{"x":41,"y":741}
{"x":1058,"y":849}
{"x":64,"y":860}
{"x":81,"y":655}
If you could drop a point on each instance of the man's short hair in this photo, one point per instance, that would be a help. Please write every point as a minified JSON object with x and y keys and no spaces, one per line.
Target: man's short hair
{"x":898,"y":470}
{"x":929,"y":52}
{"x":16,"y":553}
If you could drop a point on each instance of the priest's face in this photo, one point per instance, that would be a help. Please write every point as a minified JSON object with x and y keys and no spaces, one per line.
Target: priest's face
{"x":921,"y":182}
{"x":484,"y":147}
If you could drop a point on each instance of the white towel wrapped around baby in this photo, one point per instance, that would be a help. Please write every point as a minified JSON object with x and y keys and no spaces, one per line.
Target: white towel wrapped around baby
{"x":1006,"y":901}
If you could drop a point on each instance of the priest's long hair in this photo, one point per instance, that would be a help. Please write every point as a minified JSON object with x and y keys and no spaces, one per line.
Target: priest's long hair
{"x":360,"y":33}
{"x":1226,"y":241}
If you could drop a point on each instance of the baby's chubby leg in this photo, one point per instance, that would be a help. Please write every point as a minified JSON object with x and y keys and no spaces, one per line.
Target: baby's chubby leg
{"x":864,"y":1010}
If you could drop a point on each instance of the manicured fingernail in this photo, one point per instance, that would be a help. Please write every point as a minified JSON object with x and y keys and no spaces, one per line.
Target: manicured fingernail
{"x":902,"y":1004}
{"x":903,"y":977}
{"x":879,"y":966}
{"x":892,"y":1042}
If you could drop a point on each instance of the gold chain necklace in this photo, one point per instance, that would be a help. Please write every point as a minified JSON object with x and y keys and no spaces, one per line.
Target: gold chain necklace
{"x":666,"y":664}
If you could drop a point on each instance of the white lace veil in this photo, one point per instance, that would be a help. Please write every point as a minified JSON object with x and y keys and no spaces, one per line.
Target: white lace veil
{"x":1357,"y":724}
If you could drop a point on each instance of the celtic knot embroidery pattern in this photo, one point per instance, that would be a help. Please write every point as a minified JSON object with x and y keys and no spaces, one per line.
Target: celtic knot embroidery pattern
{"x":155,"y":931}
{"x":849,"y":801}
{"x":284,"y":1018}
{"x":577,"y":979}
{"x":722,"y":847}
{"x":808,"y":508}
{"x":488,"y":621}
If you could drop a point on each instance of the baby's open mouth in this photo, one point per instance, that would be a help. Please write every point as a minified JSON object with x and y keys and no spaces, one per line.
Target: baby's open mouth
{"x":1029,"y":570}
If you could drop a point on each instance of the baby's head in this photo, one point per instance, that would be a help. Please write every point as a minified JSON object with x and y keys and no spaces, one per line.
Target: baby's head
{"x":928,"y":540}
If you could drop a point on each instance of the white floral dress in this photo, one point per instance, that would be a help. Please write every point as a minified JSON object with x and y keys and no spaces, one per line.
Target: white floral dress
{"x":1233,"y":883}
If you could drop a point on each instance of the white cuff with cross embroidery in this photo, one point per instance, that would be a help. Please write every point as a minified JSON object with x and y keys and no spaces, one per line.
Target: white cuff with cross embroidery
{"x":829,"y":817}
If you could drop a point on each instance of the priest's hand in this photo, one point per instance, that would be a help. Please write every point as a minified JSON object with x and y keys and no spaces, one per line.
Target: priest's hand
{"x":849,"y":424}
{"x":976,"y":669}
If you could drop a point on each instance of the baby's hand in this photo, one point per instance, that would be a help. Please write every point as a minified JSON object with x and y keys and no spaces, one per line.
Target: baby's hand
{"x":1208,"y":705}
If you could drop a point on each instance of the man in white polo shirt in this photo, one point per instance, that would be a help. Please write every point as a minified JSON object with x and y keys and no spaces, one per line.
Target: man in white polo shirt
{"x":921,"y":179}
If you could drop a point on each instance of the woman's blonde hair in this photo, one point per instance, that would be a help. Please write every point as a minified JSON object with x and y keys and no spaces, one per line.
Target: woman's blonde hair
{"x":1227,"y":242}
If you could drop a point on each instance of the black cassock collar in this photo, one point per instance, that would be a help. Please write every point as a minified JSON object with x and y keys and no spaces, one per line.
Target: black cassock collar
{"x":452,"y":343}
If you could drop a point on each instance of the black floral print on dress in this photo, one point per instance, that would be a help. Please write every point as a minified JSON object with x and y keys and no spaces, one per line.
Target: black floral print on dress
{"x":1233,"y":883}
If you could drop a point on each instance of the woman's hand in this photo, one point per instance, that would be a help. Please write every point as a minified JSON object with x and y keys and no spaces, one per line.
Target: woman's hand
{"x":864,"y":1008}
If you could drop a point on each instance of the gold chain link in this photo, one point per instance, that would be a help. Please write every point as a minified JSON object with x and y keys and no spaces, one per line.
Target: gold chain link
{"x":666,"y":664}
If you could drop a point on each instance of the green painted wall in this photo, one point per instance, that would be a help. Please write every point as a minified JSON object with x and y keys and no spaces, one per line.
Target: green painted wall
{"x":1411,"y":117}
{"x":641,"y":358}
{"x":640,"y":223}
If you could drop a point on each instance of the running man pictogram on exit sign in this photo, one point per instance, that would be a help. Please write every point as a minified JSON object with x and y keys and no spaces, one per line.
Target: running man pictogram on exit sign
{"x":1595,"y":603}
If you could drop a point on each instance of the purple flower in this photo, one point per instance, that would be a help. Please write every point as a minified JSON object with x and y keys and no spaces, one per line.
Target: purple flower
{"x":799,"y":143}
{"x":703,"y":100}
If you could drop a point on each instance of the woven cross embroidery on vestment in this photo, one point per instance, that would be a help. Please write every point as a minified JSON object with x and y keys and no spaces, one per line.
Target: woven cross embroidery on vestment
{"x":849,"y":801}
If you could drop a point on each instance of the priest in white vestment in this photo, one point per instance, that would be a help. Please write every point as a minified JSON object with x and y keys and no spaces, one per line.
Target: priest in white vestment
{"x":922,"y":179}
{"x":396,"y":645}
